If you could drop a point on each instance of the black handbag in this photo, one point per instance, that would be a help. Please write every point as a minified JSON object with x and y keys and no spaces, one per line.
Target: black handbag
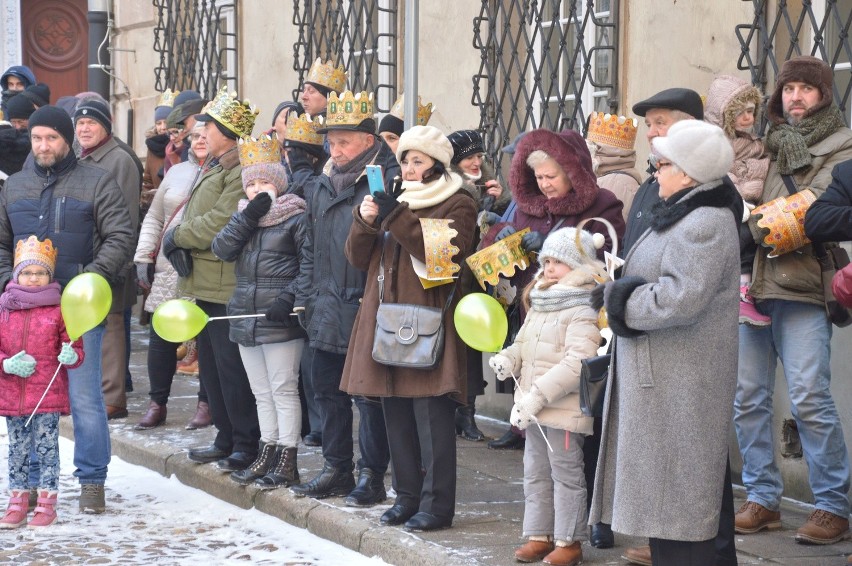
{"x":832,"y":258}
{"x":593,"y":376}
{"x":407,"y":335}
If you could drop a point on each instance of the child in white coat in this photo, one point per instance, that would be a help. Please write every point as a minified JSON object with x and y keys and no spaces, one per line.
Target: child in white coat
{"x":560,"y":330}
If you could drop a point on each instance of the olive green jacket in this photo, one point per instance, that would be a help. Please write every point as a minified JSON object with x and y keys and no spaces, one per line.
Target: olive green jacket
{"x":212,"y":202}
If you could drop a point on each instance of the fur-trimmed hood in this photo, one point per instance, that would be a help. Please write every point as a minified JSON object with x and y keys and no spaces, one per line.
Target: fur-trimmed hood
{"x":726,"y":98}
{"x":569,"y":150}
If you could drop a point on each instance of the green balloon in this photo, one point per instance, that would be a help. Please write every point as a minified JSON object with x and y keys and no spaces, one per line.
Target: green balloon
{"x":85,"y":303}
{"x":481,"y":322}
{"x":178,"y":320}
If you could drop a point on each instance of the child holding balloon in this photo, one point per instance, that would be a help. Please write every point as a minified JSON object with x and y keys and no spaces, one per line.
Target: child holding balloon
{"x":264,"y":237}
{"x":34,"y":346}
{"x":560,"y":330}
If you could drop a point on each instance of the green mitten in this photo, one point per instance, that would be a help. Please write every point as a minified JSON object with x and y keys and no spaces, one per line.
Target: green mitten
{"x":67,"y":356}
{"x":21,"y":364}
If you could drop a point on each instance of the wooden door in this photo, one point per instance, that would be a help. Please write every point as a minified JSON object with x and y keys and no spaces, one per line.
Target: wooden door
{"x":56,"y":43}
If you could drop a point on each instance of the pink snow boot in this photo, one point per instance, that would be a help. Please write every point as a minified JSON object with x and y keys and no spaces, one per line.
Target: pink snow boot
{"x":16,"y":512}
{"x":45,"y":511}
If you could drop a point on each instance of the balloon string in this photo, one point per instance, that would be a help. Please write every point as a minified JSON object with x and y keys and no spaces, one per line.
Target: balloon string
{"x":538,"y":424}
{"x":43,"y":395}
{"x":236,"y":316}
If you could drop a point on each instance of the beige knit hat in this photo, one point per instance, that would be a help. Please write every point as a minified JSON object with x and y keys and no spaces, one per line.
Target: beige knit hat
{"x":428,"y":139}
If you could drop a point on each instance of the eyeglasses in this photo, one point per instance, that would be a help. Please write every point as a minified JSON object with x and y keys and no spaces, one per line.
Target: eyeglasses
{"x":657,"y":161}
{"x":175,"y":133}
{"x":37,"y":274}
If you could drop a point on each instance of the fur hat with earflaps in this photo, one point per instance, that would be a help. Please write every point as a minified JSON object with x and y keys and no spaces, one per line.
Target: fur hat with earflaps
{"x":805,"y":69}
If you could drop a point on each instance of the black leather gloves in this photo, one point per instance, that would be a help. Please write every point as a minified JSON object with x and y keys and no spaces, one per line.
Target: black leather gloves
{"x":532,"y":242}
{"x":180,"y":258}
{"x":387,"y":202}
{"x":257,"y":207}
{"x":280,"y":312}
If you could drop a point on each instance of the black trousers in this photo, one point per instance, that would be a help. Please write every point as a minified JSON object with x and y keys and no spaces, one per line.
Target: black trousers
{"x":335,"y":407}
{"x":682,"y":553}
{"x":422,"y":436}
{"x":229,"y":395}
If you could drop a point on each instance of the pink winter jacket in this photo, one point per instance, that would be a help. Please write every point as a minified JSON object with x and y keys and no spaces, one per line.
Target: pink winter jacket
{"x":40,"y":331}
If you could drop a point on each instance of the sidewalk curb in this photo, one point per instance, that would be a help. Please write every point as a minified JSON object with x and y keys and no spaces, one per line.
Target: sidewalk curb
{"x":326,"y":521}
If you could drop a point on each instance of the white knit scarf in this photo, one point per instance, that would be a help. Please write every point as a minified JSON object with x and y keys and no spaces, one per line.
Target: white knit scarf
{"x":418,"y":195}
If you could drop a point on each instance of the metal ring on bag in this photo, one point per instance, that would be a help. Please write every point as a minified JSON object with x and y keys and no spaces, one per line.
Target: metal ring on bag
{"x":403,"y":338}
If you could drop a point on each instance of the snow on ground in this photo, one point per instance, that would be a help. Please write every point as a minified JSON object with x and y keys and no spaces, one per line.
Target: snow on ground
{"x":155,"y":520}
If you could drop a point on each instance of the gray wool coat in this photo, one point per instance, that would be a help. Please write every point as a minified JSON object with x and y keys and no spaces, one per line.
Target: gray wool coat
{"x":669,"y":400}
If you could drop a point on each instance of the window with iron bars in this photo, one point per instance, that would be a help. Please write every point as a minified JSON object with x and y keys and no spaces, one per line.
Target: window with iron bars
{"x":197,"y":43}
{"x":781,"y":30}
{"x":359,"y":34}
{"x":544,"y":64}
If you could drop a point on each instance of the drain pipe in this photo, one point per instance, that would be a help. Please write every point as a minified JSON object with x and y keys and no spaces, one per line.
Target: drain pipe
{"x":99,"y":55}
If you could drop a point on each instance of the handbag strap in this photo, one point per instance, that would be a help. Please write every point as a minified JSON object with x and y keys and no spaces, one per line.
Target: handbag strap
{"x":790,"y":183}
{"x":381,"y":279}
{"x":177,"y":209}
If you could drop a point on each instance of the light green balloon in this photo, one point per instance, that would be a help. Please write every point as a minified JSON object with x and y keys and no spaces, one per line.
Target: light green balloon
{"x":481,"y":322}
{"x":85,"y":303}
{"x":178,"y":320}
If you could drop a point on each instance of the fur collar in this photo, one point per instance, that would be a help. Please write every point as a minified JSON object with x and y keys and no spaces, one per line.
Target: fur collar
{"x":723,"y":195}
{"x":569,"y":150}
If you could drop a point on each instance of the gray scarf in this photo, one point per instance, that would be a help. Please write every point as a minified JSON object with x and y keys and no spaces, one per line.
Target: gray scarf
{"x":789,"y":143}
{"x":559,"y":297}
{"x":346,"y":175}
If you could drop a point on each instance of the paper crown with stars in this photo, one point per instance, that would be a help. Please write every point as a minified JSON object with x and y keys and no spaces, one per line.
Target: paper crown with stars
{"x":327,"y":75}
{"x":264,"y":149}
{"x":304,"y":129}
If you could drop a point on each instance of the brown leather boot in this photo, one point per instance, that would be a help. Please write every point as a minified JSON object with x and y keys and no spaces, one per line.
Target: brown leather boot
{"x":638,"y":555}
{"x":533,"y":551}
{"x":753,"y":517}
{"x":565,"y":555}
{"x":155,"y":416}
{"x":202,"y":418}
{"x":823,"y":528}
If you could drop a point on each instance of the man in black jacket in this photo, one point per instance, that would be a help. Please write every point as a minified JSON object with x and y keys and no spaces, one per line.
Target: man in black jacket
{"x":329,"y":294}
{"x":81,"y":209}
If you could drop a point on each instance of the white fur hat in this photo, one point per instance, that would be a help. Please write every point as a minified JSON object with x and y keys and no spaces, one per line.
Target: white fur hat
{"x":699,"y":149}
{"x":562,"y":245}
{"x":427,"y":139}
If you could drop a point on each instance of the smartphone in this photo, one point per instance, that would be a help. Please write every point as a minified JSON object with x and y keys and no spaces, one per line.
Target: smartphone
{"x":375,"y":179}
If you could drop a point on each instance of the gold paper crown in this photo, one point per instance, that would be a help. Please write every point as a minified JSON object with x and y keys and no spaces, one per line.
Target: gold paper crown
{"x":327,"y":75}
{"x":609,"y":129}
{"x":168,"y":98}
{"x":258,"y":151}
{"x":304,"y":129}
{"x":237,"y":116}
{"x":423,"y":112}
{"x":32,"y":249}
{"x":348,"y":109}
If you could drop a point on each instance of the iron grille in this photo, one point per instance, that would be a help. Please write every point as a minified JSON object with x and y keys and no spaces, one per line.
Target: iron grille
{"x":544,"y":64}
{"x":781,"y":30}
{"x":360,"y":34}
{"x":197,"y":43}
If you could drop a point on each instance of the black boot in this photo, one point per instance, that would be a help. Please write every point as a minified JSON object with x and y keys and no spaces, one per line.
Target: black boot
{"x":330,"y":482}
{"x":466,"y":424}
{"x":602,"y":536}
{"x":370,"y":489}
{"x":285,"y":471}
{"x":509,"y":441}
{"x":257,"y":469}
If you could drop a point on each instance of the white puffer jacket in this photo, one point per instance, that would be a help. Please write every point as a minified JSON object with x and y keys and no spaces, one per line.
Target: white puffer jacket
{"x":172,"y":192}
{"x":547,"y":353}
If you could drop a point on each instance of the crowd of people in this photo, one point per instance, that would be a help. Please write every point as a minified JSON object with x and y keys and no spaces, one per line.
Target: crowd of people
{"x":291,"y":235}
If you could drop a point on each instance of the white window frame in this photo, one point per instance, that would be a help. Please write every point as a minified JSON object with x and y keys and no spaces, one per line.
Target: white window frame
{"x":384,"y":66}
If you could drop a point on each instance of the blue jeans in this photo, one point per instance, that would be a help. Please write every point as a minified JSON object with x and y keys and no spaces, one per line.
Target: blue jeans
{"x":92,"y":448}
{"x":800,"y":335}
